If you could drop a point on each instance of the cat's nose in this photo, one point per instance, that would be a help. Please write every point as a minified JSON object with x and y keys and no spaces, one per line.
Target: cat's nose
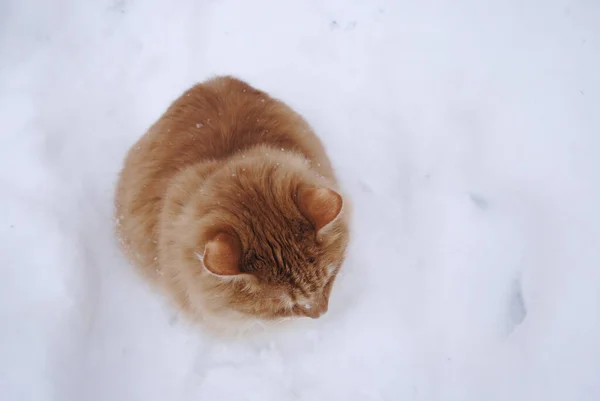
{"x":317,"y":310}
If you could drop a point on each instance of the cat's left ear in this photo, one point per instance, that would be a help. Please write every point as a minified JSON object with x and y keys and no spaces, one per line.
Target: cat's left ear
{"x":222,"y":255}
{"x":319,"y":205}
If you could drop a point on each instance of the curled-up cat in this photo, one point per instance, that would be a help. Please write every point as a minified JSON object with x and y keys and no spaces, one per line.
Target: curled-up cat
{"x":229,"y":203}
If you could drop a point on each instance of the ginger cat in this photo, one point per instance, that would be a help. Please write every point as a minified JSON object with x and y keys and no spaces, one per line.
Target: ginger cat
{"x":230,"y":205}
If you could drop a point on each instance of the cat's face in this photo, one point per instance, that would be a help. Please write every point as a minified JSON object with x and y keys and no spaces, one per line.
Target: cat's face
{"x":272,"y":243}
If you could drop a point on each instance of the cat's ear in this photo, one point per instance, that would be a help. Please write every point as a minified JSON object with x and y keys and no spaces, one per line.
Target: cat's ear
{"x":319,"y":205}
{"x":222,"y":255}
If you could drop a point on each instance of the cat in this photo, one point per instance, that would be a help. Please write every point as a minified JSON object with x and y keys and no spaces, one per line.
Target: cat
{"x":230,"y":204}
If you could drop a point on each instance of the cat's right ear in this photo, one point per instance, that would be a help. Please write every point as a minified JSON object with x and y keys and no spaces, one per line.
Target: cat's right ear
{"x":319,"y":205}
{"x":222,"y":255}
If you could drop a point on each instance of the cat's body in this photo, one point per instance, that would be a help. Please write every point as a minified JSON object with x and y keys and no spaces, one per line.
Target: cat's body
{"x":230,"y":204}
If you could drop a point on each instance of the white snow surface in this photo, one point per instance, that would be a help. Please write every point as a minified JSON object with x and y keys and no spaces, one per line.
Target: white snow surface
{"x":467,"y":134}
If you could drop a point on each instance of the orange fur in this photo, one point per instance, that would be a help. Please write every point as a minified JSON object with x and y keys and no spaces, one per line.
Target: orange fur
{"x":232,"y":172}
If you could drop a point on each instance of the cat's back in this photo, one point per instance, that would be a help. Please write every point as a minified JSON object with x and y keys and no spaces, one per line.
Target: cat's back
{"x":215,"y":120}
{"x":225,"y":115}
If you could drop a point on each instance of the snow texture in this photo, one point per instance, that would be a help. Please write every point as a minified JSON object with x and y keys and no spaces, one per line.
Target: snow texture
{"x":466,"y":132}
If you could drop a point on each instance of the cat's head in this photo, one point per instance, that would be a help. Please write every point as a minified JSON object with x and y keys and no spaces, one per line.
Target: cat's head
{"x":270,"y":237}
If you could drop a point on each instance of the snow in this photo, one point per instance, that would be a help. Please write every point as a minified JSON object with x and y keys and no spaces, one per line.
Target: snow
{"x":467,"y":134}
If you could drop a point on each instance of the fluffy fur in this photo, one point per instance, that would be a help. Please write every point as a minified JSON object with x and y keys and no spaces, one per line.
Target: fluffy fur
{"x":230,"y":205}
